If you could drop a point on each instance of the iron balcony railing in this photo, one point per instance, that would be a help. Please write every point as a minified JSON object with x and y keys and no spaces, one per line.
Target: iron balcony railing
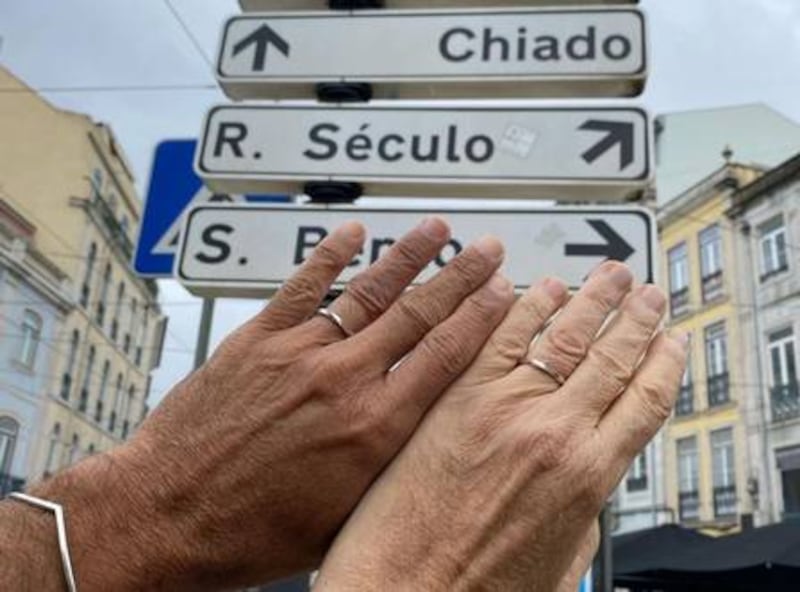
{"x":679,"y":302}
{"x":718,"y":389}
{"x":685,"y":403}
{"x":637,"y":483}
{"x":725,"y":501}
{"x":713,"y":286}
{"x":785,"y":399}
{"x":689,"y":506}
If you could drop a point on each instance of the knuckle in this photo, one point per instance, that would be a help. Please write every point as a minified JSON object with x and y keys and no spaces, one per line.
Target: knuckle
{"x":327,"y":257}
{"x":569,"y":345}
{"x":369,"y":293}
{"x":301,"y":288}
{"x":420,"y":311}
{"x":658,"y":400}
{"x":448,"y":352}
{"x":410,"y":254}
{"x":550,"y":447}
{"x":615,"y":373}
{"x":467,"y":271}
{"x":601,"y":297}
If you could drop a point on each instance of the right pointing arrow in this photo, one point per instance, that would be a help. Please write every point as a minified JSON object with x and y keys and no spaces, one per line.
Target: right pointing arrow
{"x":615,"y":247}
{"x":262,"y":38}
{"x":617,"y":132}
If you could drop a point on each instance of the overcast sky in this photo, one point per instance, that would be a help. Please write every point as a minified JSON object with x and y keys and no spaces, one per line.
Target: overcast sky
{"x":705,"y":53}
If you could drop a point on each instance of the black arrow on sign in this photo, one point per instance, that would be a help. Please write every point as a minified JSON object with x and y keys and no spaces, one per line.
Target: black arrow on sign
{"x":615,"y":247}
{"x":617,"y":132}
{"x":262,"y":38}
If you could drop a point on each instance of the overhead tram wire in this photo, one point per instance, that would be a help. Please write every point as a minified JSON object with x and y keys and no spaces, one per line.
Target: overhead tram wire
{"x":188,"y":32}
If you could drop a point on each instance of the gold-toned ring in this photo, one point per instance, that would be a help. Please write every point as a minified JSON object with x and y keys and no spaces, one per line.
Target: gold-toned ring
{"x":546,"y":368}
{"x":333,"y":318}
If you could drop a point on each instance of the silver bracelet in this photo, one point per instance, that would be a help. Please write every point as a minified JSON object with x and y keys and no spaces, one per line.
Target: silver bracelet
{"x":61,"y":527}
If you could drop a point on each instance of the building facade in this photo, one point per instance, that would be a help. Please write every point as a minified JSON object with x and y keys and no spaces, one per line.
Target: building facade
{"x":766,"y":214}
{"x":33,"y":306}
{"x":68,"y":176}
{"x":707,"y":466}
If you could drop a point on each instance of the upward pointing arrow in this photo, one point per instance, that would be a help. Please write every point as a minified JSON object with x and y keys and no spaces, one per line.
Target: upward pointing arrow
{"x":262,"y":38}
{"x":617,"y":132}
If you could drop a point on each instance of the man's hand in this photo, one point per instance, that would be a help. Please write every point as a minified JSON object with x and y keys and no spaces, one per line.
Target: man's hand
{"x":505,"y":477}
{"x":251,"y":465}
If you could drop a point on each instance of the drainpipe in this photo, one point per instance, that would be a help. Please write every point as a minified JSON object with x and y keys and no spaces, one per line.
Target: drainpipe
{"x":762,"y":380}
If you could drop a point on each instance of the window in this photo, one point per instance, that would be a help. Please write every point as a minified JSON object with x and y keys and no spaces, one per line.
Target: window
{"x":688,"y":489}
{"x":101,"y":301}
{"x":637,"y":476}
{"x":97,"y":183}
{"x":87,"y":377}
{"x":75,"y":449}
{"x":773,"y":248}
{"x":717,"y":364}
{"x":112,"y":420}
{"x":9,"y":430}
{"x":679,"y":280}
{"x":124,"y":225}
{"x":784,"y":391}
{"x":125,"y":411}
{"x":66,"y":379}
{"x":31,"y":335}
{"x":98,"y":413}
{"x":112,"y":202}
{"x":723,"y":472}
{"x":126,"y":345}
{"x":117,"y":310}
{"x":51,"y":465}
{"x":711,"y":263}
{"x":685,"y":403}
{"x":87,"y":278}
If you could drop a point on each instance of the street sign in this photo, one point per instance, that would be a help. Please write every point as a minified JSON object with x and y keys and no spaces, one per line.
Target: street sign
{"x":248,"y":251}
{"x":262,"y":5}
{"x":442,"y":54}
{"x":174,"y":188}
{"x":541,"y":153}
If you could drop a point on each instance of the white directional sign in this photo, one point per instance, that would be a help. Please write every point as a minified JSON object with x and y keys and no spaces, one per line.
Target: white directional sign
{"x":247,"y":251}
{"x":550,"y":153}
{"x":406,"y":54}
{"x":261,"y":5}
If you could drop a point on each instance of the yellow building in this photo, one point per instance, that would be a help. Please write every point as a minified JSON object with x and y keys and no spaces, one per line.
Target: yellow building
{"x":707,"y":469}
{"x":68,"y":176}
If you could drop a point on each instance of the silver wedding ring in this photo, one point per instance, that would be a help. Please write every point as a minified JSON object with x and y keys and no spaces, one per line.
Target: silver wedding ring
{"x":546,"y":368}
{"x":333,"y":318}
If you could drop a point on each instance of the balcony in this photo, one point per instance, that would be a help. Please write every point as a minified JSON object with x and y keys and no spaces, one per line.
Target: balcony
{"x":679,"y":302}
{"x":685,"y":403}
{"x":108,"y":223}
{"x":725,"y":501}
{"x":689,"y":506}
{"x":785,"y":400}
{"x":636,"y":483}
{"x":773,"y":272}
{"x":10,"y":484}
{"x":66,"y":386}
{"x":713,"y":287}
{"x":83,"y":403}
{"x":718,"y":389}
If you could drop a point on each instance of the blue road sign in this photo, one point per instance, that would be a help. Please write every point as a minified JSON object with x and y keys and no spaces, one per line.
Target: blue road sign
{"x":174,"y":189}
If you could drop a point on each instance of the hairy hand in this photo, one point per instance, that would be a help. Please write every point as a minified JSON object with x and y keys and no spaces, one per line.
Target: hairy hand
{"x":251,"y":465}
{"x":508,"y":472}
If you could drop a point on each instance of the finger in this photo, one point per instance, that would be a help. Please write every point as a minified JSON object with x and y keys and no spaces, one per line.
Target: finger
{"x":417,"y":312}
{"x":370,"y":293}
{"x":612,"y":360}
{"x":643,"y":408}
{"x":564,"y":344}
{"x":446,"y":351}
{"x":510,"y":342}
{"x":301,"y":295}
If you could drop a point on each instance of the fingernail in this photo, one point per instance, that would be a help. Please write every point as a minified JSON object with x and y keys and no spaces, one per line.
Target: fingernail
{"x":435,"y":228}
{"x":353,"y":230}
{"x":490,"y":247}
{"x":653,"y":297}
{"x":618,"y":273}
{"x":554,"y":288}
{"x":499,"y":284}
